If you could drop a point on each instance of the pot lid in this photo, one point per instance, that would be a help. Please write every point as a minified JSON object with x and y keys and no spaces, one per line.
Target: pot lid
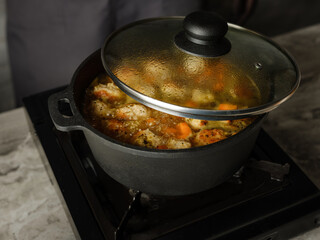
{"x":199,"y":67}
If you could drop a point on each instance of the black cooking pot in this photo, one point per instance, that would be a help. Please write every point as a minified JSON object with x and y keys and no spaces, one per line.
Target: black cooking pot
{"x":159,"y":172}
{"x":251,"y":63}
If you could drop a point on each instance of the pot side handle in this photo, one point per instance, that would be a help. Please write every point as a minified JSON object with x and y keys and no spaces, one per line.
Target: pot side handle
{"x":62,"y":113}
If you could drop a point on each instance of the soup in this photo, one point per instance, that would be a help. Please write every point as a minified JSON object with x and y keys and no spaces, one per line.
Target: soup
{"x":117,"y":115}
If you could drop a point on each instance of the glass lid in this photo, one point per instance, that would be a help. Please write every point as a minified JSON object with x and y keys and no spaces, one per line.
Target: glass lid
{"x":199,"y":67}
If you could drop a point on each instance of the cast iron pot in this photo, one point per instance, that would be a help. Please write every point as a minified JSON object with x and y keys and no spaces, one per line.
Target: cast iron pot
{"x":158,"y":172}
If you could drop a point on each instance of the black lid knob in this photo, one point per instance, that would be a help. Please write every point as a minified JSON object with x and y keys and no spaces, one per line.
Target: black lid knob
{"x":203,"y":35}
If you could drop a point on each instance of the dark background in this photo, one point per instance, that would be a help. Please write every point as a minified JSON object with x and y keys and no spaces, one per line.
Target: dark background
{"x":269,"y":17}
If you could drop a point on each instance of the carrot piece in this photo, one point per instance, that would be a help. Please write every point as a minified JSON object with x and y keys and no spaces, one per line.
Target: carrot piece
{"x":151,"y":121}
{"x":227,"y":106}
{"x":191,"y":104}
{"x":180,"y":131}
{"x":162,"y":147}
{"x":218,"y":86}
{"x":170,"y":131}
{"x":184,"y":131}
{"x":100,"y":93}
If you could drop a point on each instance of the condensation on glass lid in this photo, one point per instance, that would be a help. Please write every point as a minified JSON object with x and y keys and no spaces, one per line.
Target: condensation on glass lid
{"x":190,"y":81}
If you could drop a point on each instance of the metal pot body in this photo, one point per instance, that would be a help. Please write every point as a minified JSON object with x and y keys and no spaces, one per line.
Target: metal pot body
{"x":158,"y":172}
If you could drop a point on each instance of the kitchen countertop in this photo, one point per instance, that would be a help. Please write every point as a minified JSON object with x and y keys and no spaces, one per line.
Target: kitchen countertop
{"x":30,"y":207}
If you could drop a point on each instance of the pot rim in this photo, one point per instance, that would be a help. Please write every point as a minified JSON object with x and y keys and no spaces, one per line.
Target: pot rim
{"x":84,"y":125}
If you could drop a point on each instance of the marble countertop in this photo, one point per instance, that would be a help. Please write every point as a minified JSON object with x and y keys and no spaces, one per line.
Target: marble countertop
{"x":29,"y":205}
{"x":31,"y":209}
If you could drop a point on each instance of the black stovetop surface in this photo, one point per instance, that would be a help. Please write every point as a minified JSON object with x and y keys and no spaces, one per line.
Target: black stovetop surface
{"x":269,"y":198}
